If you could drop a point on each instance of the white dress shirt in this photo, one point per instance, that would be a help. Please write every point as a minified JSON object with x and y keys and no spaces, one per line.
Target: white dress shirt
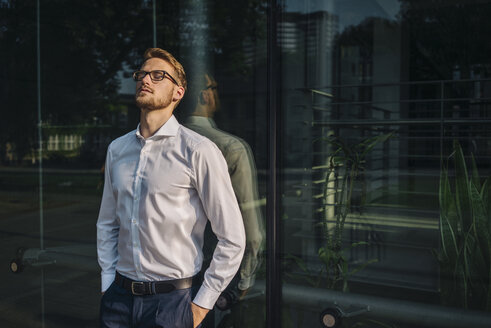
{"x":159,"y":193}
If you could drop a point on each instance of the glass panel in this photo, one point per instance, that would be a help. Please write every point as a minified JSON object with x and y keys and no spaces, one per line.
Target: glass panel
{"x":88,"y":51}
{"x":82,"y":110}
{"x":376,"y":96}
{"x":223,"y":45}
{"x":19,"y":181}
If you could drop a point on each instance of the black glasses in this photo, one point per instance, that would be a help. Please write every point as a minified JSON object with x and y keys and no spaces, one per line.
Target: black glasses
{"x":212,"y":87}
{"x":154,"y":75}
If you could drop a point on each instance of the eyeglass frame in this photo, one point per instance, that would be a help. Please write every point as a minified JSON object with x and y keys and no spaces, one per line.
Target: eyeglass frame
{"x":158,"y":70}
{"x":212,"y":87}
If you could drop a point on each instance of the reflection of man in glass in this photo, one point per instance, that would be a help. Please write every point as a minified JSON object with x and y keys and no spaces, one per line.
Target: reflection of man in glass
{"x":241,"y":168}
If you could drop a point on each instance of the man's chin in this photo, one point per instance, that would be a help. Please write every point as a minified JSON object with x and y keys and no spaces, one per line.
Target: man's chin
{"x":148,"y":108}
{"x":150,"y":105}
{"x":145,"y":105}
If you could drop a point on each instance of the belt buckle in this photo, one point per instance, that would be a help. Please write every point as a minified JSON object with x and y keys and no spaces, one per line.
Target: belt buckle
{"x":135,"y":285}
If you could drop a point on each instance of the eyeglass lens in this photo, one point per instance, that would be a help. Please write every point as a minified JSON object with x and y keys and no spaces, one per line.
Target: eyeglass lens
{"x":154,"y":75}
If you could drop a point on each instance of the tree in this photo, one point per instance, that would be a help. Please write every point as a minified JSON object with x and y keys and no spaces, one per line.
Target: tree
{"x":83,"y":46}
{"x":447,"y":35}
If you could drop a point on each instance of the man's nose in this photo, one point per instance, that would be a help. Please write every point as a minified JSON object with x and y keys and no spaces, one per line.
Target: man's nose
{"x":146,"y":79}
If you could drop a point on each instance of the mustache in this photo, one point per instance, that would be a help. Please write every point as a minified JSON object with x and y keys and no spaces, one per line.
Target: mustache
{"x":146,"y":88}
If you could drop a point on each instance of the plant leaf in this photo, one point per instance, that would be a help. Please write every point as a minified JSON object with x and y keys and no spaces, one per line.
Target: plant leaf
{"x":481,"y":220}
{"x":449,"y":243}
{"x":486,"y":198}
{"x":370,"y":143}
{"x":475,"y":266}
{"x":488,"y":298}
{"x":449,"y":219}
{"x":362,"y":266}
{"x":462,"y":195}
{"x":298,"y":261}
{"x":475,"y":174}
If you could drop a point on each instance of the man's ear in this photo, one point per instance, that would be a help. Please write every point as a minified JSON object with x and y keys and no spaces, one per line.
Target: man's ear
{"x":202,"y":98}
{"x":178,"y":93}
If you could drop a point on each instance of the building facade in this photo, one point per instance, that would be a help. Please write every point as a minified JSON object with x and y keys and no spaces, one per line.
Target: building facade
{"x":368,"y":125}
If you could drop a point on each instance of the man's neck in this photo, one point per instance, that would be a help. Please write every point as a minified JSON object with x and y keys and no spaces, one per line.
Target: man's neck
{"x":202,"y":111}
{"x":152,"y":120}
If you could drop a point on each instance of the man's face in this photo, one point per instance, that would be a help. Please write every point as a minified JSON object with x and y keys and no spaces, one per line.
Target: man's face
{"x":212,"y":92}
{"x":154,"y":95}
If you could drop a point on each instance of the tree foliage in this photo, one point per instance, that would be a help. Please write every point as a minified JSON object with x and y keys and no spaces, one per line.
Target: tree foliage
{"x":85,"y":44}
{"x":446,"y":36}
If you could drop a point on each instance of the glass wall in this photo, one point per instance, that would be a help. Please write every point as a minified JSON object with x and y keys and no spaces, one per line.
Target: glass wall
{"x":364,"y":123}
{"x":65,"y":81}
{"x":385,"y":120}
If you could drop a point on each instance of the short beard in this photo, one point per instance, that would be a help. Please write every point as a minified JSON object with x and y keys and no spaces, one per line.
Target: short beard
{"x":153,"y":103}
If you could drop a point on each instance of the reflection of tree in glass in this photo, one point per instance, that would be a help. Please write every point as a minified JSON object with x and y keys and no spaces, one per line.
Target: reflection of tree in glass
{"x":230,"y":34}
{"x":83,"y":45}
{"x":447,"y":35}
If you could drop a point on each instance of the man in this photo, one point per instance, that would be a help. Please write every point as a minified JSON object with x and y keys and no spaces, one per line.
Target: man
{"x":163,"y":182}
{"x":242,"y":170}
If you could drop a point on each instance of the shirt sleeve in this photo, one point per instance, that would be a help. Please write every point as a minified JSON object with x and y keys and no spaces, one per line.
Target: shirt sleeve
{"x":107,"y":230}
{"x":244,"y":181}
{"x":220,"y":205}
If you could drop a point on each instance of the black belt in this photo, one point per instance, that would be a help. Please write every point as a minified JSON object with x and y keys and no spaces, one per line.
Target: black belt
{"x":152,"y":287}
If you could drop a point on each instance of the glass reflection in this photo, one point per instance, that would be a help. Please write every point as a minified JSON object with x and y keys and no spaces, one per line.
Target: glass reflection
{"x":367,"y":217}
{"x":205,"y":102}
{"x":88,"y":51}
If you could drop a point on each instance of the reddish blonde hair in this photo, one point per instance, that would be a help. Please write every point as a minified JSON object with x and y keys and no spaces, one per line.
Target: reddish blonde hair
{"x":165,"y":55}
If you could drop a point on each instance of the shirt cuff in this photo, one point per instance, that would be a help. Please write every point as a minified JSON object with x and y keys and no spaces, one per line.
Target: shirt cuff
{"x":106,"y":280}
{"x":206,"y":298}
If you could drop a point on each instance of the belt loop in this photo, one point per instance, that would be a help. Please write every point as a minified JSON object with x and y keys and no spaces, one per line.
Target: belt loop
{"x":152,"y":288}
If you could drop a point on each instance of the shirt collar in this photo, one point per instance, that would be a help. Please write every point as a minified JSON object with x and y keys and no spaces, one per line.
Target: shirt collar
{"x":169,"y":129}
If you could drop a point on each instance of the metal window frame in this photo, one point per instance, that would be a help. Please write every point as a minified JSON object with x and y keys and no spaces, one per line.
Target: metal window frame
{"x":273,"y":240}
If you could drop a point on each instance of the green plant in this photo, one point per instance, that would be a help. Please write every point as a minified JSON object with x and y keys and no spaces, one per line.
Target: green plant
{"x":345,"y":166}
{"x":465,"y":228}
{"x":343,"y":172}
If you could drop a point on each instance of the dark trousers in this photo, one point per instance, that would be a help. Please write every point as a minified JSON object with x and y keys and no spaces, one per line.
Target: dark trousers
{"x":120,"y":309}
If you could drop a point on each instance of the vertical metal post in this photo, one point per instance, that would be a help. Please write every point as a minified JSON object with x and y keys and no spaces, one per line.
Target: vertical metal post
{"x":40,"y":132}
{"x":442,"y":135}
{"x":154,"y":24}
{"x":40,"y":153}
{"x":273,"y":245}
